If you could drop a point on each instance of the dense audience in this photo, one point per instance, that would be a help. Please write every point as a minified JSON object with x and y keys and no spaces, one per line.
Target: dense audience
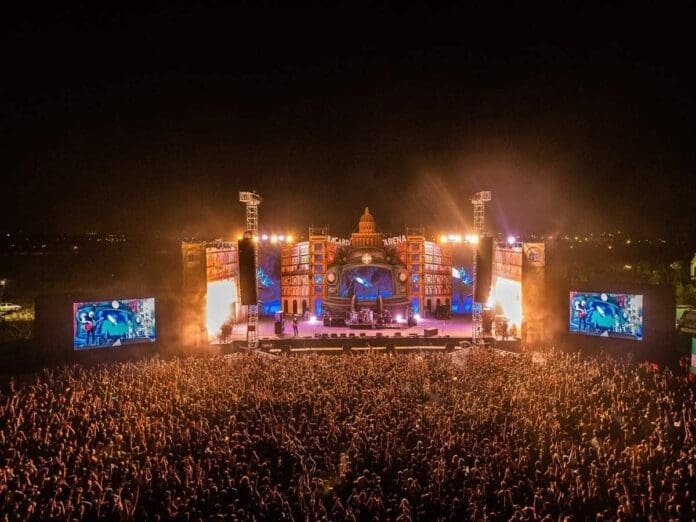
{"x":476,"y":436}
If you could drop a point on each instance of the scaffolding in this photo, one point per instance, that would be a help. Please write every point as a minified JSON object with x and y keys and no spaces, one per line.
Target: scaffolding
{"x":252,"y":201}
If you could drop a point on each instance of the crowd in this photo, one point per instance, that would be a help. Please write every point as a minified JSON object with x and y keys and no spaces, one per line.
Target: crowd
{"x":476,"y":436}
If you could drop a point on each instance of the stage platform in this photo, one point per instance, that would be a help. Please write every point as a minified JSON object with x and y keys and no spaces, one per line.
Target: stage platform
{"x":457,"y":326}
{"x":428,"y":334}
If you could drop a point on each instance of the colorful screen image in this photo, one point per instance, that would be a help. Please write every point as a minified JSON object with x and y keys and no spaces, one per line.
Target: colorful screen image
{"x":607,"y":314}
{"x":366,"y":282}
{"x":102,"y":324}
{"x":268,"y":272}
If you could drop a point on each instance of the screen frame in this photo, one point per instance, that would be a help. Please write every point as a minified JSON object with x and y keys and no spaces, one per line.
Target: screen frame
{"x":573,"y":294}
{"x":121,"y":341}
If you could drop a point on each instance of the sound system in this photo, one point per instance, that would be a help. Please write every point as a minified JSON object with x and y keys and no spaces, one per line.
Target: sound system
{"x":278,"y":327}
{"x":484,"y":270}
{"x":429,"y":332}
{"x":247,"y":271}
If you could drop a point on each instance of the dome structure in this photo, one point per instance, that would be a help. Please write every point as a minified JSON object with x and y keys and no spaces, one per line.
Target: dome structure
{"x":367,"y":235}
{"x":367,"y":223}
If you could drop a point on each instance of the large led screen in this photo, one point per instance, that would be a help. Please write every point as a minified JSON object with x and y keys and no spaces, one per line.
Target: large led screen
{"x":268,"y":273}
{"x":102,"y":324}
{"x":366,"y":282}
{"x":506,"y":298}
{"x":221,"y":309}
{"x":607,"y":314}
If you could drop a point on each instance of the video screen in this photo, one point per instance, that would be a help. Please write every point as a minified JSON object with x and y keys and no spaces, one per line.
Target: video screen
{"x":103,"y":324}
{"x":366,"y":282}
{"x":268,"y":272}
{"x":222,"y":304}
{"x":607,"y":315}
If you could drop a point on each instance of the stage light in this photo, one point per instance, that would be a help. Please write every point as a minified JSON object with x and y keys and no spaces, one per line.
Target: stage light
{"x":511,"y":240}
{"x":264,"y":237}
{"x":443,"y":238}
{"x":474,"y":239}
{"x":399,"y":318}
{"x":313,"y":319}
{"x":274,"y":238}
{"x":417,"y":317}
{"x":281,"y":237}
{"x":288,"y":239}
{"x":458,"y":238}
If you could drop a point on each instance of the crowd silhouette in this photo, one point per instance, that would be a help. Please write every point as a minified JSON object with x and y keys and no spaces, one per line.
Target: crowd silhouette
{"x":475,"y":436}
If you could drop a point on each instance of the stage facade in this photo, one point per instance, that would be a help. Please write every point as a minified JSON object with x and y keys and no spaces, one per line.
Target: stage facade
{"x":518,"y":291}
{"x":210,"y":293}
{"x":400,"y":274}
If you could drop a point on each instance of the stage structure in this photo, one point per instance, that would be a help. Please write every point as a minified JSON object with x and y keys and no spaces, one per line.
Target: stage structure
{"x":252,"y":200}
{"x":479,"y":201}
{"x":367,"y":278}
{"x":518,"y":292}
{"x":210,"y":292}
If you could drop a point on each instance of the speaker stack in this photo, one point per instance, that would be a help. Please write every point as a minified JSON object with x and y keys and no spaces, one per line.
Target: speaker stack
{"x":247,"y":271}
{"x":484,"y":270}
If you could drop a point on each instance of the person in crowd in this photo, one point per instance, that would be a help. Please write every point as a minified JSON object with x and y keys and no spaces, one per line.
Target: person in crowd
{"x":441,"y":437}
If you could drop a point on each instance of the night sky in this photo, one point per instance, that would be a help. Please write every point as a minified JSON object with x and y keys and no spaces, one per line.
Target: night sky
{"x":151,"y":121}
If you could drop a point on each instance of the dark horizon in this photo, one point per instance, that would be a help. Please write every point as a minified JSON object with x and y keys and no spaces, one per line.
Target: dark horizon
{"x":151,"y":121}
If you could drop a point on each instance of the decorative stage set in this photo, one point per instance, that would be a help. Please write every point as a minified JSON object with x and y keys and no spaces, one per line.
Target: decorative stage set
{"x":366,"y":281}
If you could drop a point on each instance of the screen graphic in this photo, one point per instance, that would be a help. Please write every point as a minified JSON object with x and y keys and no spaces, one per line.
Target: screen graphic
{"x":366,"y":282}
{"x":606,"y":314}
{"x":268,"y":274}
{"x":102,"y":324}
